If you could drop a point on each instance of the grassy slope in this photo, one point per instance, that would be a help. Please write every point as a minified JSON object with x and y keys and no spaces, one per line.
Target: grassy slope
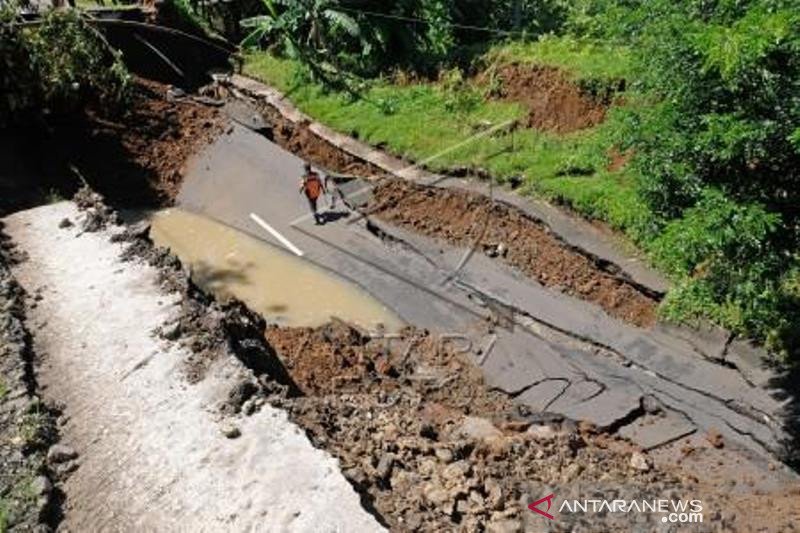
{"x":425,"y":121}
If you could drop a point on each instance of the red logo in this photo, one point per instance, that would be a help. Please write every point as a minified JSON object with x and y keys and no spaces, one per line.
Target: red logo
{"x":535,"y":506}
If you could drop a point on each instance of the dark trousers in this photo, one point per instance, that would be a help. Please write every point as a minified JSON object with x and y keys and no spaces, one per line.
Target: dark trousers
{"x":312,"y":203}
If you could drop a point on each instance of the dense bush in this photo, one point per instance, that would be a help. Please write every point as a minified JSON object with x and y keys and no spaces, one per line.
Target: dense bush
{"x":55,"y":65}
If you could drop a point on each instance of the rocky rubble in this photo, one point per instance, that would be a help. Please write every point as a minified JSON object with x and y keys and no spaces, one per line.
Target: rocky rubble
{"x":432,"y":448}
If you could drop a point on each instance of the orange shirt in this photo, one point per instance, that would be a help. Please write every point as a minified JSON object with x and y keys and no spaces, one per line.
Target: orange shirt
{"x":312,"y":185}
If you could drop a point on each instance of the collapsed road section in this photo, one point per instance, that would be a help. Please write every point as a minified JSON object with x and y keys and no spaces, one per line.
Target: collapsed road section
{"x":186,"y":410}
{"x":551,"y":351}
{"x":174,"y":413}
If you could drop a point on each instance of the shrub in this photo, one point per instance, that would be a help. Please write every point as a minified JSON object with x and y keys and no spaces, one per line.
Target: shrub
{"x":729,"y":265}
{"x":57,"y":65}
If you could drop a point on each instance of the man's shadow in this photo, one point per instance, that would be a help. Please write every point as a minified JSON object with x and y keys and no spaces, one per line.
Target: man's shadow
{"x":333,"y":216}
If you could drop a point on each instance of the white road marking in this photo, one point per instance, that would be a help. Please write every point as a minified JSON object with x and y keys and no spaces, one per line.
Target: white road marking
{"x":286,"y":242}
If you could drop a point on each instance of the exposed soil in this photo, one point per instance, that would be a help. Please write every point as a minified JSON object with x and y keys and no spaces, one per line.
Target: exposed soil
{"x":617,"y":159}
{"x":555,"y":102}
{"x":501,"y":231}
{"x":300,"y":140}
{"x":137,"y":158}
{"x":339,"y":357}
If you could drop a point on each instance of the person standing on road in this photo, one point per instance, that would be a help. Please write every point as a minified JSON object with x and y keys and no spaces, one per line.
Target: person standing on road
{"x":330,"y":189}
{"x":311,"y":185}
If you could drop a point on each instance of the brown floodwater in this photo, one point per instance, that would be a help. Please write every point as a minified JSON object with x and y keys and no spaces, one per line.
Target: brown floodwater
{"x":285,"y":289}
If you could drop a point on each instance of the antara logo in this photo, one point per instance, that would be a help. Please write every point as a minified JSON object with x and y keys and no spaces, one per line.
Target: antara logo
{"x":535,"y":506}
{"x":673,"y":511}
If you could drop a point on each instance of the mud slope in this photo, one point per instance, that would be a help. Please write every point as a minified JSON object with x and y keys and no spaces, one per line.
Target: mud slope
{"x":145,"y":448}
{"x":555,"y":103}
{"x":137,"y":157}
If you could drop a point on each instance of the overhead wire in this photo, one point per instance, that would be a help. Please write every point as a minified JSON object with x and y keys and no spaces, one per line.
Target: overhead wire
{"x":423,"y":21}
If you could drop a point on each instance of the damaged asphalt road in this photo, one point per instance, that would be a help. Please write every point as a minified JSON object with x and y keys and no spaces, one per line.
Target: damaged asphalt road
{"x":549,"y":351}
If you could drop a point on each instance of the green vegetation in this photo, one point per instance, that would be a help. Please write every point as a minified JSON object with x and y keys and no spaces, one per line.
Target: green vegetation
{"x":335,"y":39}
{"x":4,"y":519}
{"x":417,"y":120}
{"x":582,"y":58}
{"x":36,"y":75}
{"x":21,"y":497}
{"x":18,"y":490}
{"x":424,"y":121}
{"x":3,"y":389}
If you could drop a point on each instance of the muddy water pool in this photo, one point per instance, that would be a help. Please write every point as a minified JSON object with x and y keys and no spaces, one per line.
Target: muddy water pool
{"x":285,"y":289}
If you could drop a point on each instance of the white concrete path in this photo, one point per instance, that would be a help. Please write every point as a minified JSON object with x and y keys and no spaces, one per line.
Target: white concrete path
{"x":152,"y":456}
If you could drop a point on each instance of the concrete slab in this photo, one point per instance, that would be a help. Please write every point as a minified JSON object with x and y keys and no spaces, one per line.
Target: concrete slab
{"x":652,"y":431}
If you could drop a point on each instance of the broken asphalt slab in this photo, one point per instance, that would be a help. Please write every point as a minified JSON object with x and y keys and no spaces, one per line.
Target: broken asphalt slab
{"x":573,"y":230}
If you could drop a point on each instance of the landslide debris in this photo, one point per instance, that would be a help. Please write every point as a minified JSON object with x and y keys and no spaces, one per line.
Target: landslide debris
{"x":554,"y":102}
{"x":466,"y":218}
{"x":138,"y":158}
{"x":431,"y":448}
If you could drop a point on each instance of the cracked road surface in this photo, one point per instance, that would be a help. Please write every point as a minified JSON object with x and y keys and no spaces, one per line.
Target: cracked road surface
{"x":551,"y":352}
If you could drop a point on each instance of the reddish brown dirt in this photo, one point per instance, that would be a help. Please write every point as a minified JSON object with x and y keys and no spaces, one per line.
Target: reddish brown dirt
{"x":462,"y":218}
{"x":300,"y":140}
{"x":338,"y":357}
{"x":138,"y":157}
{"x":555,"y":103}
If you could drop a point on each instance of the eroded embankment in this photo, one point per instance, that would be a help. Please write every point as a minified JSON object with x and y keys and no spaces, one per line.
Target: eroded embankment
{"x":136,"y":156}
{"x":554,"y":102}
{"x":501,"y":231}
